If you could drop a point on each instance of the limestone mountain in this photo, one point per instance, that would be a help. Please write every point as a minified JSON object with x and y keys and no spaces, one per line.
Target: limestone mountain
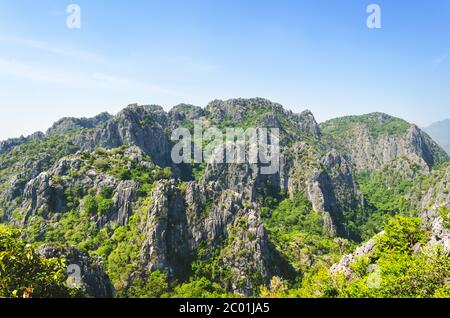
{"x":375,"y":139}
{"x":107,"y":188}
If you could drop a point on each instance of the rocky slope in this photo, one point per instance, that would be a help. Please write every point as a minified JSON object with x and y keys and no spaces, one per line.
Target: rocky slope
{"x":108,"y":186}
{"x":435,"y":215}
{"x":376,"y":139}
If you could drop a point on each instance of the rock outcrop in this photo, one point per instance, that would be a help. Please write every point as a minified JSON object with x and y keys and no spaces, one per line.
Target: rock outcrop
{"x":376,"y":139}
{"x":166,"y":245}
{"x":85,"y":272}
{"x":345,"y":264}
{"x":68,"y":124}
{"x":435,"y":199}
{"x":434,"y":203}
{"x":214,"y":213}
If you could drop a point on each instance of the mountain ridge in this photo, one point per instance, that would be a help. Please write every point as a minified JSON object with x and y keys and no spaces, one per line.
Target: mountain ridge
{"x":108,"y":187}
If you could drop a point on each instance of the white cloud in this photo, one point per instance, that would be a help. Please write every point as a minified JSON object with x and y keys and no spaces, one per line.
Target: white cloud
{"x":88,"y":80}
{"x":36,"y":73}
{"x":89,"y":77}
{"x":59,"y":50}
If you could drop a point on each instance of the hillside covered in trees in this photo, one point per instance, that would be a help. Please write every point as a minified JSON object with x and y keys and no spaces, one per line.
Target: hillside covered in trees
{"x":360,"y":207}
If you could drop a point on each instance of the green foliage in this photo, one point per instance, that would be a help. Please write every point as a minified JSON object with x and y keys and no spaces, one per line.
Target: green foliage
{"x":199,"y":288}
{"x":122,"y":250}
{"x":295,"y":229}
{"x":99,"y":204}
{"x":386,"y":194}
{"x":25,"y":274}
{"x":298,"y":232}
{"x":401,"y":234}
{"x":394,"y":270}
{"x":156,"y":285}
{"x":279,"y":288}
{"x":90,"y":205}
{"x":444,"y":212}
{"x":294,"y":215}
{"x":339,"y":128}
{"x":75,"y":229}
{"x":198,"y":171}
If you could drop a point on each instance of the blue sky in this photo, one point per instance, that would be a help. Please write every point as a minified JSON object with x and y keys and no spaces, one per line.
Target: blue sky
{"x":315,"y":54}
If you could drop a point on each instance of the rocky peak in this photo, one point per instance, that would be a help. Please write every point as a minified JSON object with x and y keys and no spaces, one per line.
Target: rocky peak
{"x":87,"y":272}
{"x":67,"y":124}
{"x":239,"y":109}
{"x":186,"y":111}
{"x":376,"y":139}
{"x":307,"y":122}
{"x":9,"y":144}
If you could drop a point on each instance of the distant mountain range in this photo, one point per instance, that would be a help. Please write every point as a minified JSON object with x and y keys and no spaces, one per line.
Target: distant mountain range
{"x":440,"y":132}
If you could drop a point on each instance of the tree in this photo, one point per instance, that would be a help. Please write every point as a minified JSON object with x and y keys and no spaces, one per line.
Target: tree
{"x":23,"y":274}
{"x":278,"y":289}
{"x":401,"y":234}
{"x":154,"y":286}
{"x":199,"y":288}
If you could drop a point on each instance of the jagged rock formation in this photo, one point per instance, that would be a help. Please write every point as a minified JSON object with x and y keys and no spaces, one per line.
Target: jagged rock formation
{"x":437,"y":197}
{"x":344,"y":265}
{"x":87,"y":272}
{"x":9,"y":144}
{"x":166,"y":245}
{"x":68,"y":124}
{"x":47,"y":193}
{"x":118,"y":163}
{"x":376,"y":139}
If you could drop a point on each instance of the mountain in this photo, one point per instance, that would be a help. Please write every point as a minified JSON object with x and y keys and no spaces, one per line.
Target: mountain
{"x":440,"y":131}
{"x":107,"y":191}
{"x":375,"y":139}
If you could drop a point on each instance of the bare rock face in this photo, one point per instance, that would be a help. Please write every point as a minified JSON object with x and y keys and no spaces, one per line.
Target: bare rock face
{"x":307,"y":122}
{"x":141,"y":126}
{"x":166,"y":247}
{"x":219,"y":212}
{"x":68,"y":124}
{"x":46,"y":193}
{"x":184,"y":112}
{"x":123,"y":199}
{"x":326,"y":181}
{"x":376,"y":139}
{"x":344,"y":265}
{"x":437,"y":198}
{"x":88,"y":272}
{"x":221,"y":216}
{"x":434,"y":199}
{"x":249,"y":253}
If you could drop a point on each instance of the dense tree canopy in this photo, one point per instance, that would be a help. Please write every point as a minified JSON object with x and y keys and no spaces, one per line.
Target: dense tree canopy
{"x":25,"y":274}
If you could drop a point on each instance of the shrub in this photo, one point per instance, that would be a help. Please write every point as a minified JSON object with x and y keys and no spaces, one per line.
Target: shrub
{"x":23,"y":274}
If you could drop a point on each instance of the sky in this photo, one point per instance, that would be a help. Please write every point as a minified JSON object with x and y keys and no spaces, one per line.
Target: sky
{"x":305,"y":54}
